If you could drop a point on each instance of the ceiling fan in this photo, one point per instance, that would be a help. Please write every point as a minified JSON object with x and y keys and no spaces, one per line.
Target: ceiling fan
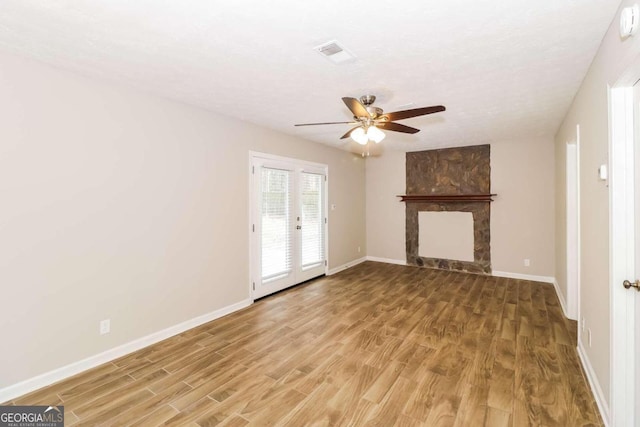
{"x":370,"y":119}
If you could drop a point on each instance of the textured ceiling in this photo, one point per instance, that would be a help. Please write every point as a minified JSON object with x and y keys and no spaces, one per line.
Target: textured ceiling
{"x":503,"y":69}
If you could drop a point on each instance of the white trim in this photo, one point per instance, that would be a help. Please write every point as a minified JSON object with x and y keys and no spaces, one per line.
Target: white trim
{"x":563,"y":302}
{"x":48,"y":378}
{"x":327,"y":223}
{"x":599,"y":395}
{"x":544,"y":279}
{"x":578,"y":295}
{"x":252,"y":225}
{"x":349,"y":264}
{"x":387,"y":260}
{"x":572,"y":211}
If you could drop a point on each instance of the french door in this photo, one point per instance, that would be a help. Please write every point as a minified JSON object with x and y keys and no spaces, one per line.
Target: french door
{"x":288,"y":223}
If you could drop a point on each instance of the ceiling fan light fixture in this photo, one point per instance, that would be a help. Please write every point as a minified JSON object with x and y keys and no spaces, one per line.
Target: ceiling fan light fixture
{"x":374,"y":134}
{"x":369,"y":119}
{"x":360,"y":136}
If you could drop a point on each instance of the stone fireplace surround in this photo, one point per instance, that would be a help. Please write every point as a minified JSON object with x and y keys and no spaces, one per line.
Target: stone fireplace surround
{"x":451,"y":179}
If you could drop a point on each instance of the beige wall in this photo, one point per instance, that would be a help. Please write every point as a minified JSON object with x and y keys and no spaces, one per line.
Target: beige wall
{"x":386,"y":179}
{"x":522,"y":216}
{"x":590,"y":111}
{"x":120,"y":205}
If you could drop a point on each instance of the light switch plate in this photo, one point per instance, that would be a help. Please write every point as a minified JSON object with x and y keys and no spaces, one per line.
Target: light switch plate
{"x":602,"y":173}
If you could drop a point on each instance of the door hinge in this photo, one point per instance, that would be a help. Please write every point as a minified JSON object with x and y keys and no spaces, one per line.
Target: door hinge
{"x":253,"y":169}
{"x":325,"y":220}
{"x":325,"y":262}
{"x":253,"y":228}
{"x":325,"y":178}
{"x":254,"y":286}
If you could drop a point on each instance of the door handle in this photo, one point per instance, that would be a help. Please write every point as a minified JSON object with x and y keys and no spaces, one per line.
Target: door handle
{"x":627,"y":284}
{"x":299,"y":227}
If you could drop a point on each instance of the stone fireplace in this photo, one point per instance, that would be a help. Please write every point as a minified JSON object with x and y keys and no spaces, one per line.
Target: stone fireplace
{"x":450,"y":180}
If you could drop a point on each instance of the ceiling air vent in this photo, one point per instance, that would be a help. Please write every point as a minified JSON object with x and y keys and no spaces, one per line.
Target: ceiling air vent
{"x":334,"y":52}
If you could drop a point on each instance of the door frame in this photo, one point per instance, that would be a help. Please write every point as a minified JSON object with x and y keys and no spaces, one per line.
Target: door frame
{"x":273,"y":157}
{"x":573,"y":222}
{"x":621,"y":248}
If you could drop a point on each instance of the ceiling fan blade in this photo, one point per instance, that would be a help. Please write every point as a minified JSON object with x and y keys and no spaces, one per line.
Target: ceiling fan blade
{"x":397,"y":127}
{"x":407,"y":114}
{"x":356,"y":107}
{"x":348,"y":134}
{"x":326,"y":123}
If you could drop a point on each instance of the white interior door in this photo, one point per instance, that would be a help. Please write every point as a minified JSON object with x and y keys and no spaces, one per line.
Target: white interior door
{"x":288,"y":223}
{"x":624,"y":149}
{"x":635,"y":274}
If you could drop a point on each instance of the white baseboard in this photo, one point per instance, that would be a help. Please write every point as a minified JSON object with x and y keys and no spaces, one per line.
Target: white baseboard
{"x":544,"y":279}
{"x":387,"y":260}
{"x":345,"y":266}
{"x":48,"y":378}
{"x":563,"y":302}
{"x":595,"y":385}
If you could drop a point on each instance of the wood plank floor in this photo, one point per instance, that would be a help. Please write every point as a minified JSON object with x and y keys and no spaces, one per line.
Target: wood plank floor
{"x":377,"y":344}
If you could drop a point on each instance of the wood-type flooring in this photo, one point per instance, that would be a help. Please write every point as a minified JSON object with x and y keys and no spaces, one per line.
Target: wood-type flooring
{"x":376,"y":344}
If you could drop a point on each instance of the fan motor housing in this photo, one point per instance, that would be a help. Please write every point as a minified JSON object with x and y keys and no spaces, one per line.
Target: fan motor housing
{"x":374,"y":111}
{"x":367,"y":100}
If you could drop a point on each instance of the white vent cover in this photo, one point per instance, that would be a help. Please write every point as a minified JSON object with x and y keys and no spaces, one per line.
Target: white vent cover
{"x":336,"y":53}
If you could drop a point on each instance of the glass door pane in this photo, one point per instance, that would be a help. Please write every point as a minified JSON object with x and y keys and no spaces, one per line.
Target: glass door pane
{"x":276,"y":242}
{"x":312,"y":220}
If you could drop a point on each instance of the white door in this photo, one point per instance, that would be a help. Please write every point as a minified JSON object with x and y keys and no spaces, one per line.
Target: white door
{"x":624,"y":186}
{"x":288,"y":223}
{"x":634,"y":276}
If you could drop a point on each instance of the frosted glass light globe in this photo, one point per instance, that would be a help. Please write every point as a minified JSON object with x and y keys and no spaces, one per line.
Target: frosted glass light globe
{"x":375,"y":134}
{"x":359,"y":136}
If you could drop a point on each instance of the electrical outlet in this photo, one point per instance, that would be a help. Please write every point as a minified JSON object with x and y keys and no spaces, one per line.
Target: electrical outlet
{"x":358,"y":249}
{"x":105,"y":326}
{"x":527,"y":262}
{"x":589,"y":336}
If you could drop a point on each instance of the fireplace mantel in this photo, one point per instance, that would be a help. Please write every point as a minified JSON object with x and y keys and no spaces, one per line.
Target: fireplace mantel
{"x":447,"y":198}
